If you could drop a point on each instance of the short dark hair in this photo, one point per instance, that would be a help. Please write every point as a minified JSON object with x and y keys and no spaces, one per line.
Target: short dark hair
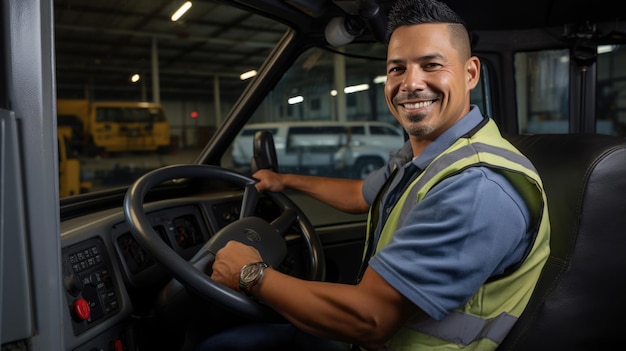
{"x":411,"y":12}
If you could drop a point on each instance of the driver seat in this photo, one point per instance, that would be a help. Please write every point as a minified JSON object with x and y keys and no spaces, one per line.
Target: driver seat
{"x":579,"y":300}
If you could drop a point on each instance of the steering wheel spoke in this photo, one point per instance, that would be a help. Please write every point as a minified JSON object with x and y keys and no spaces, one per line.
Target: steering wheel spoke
{"x":285,"y":221}
{"x":249,"y":202}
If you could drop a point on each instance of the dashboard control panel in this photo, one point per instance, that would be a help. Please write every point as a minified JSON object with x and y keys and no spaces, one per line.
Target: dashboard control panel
{"x":90,"y":289}
{"x":182,"y":228}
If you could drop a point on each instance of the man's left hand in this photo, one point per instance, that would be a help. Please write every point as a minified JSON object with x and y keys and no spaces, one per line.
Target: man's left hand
{"x":230,"y":259}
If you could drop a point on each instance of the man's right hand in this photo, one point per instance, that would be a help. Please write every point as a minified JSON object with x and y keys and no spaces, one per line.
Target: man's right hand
{"x":268,"y":180}
{"x":342,"y":194}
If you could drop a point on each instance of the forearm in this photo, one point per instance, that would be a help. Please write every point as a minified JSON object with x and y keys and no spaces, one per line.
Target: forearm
{"x":342,"y":194}
{"x":338,"y":311}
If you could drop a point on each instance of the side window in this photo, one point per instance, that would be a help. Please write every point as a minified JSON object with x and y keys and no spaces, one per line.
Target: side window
{"x":308,"y":91}
{"x":322,"y":94}
{"x":542,"y":89}
{"x":611,"y":90}
{"x":481,"y":95}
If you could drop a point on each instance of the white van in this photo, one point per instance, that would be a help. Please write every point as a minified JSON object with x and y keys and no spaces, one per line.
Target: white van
{"x":347,"y":149}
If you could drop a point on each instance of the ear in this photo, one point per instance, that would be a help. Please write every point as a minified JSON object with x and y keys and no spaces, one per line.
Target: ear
{"x":472,"y":71}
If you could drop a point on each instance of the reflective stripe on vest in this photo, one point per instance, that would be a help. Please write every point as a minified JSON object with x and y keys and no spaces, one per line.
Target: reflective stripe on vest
{"x":446,"y":160}
{"x":463,"y":329}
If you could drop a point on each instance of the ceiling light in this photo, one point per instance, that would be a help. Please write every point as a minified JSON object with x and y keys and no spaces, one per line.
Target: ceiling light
{"x":351,"y":89}
{"x":295,"y":100}
{"x":355,"y":88}
{"x":181,"y":11}
{"x":134,"y":78}
{"x":603,"y":49}
{"x":247,"y":75}
{"x":380,"y":79}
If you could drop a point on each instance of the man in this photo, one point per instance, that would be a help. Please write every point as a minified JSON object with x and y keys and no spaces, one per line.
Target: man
{"x":459,"y":227}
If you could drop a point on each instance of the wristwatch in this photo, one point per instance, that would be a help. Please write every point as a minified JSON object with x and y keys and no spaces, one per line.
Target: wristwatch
{"x":251,"y":274}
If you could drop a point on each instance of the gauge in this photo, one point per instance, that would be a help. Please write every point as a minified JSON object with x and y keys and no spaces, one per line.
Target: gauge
{"x":137,"y":259}
{"x":186,"y":231}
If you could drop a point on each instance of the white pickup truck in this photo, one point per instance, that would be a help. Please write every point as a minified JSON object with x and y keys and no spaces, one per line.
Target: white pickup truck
{"x":348,"y":149}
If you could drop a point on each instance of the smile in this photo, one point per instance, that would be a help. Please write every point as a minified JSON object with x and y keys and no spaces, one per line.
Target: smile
{"x":417,"y":105}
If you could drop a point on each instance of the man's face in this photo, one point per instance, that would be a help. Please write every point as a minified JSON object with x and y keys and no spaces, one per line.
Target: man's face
{"x":428,"y":84}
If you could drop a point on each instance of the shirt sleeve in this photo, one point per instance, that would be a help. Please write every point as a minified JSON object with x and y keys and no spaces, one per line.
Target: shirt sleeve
{"x":467,"y":228}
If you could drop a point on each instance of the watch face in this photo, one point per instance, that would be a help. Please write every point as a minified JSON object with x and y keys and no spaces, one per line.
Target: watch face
{"x":250,"y":273}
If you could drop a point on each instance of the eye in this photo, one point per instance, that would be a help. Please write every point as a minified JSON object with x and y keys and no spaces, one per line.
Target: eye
{"x":431,"y":66}
{"x":395,"y":69}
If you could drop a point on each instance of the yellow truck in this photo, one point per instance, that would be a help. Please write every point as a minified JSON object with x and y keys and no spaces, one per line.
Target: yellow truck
{"x":70,"y":182}
{"x":106,"y":127}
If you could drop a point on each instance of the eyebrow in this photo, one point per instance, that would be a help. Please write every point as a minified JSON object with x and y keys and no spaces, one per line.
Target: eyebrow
{"x":434,"y":56}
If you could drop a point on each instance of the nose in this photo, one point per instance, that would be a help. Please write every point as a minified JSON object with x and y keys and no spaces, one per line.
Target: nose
{"x":413,"y":79}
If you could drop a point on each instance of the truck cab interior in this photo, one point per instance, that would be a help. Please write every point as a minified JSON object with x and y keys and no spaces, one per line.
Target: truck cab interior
{"x":124,"y":266}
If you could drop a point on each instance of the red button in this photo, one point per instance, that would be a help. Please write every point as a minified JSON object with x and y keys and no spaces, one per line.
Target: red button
{"x":81,"y":309}
{"x":116,"y":345}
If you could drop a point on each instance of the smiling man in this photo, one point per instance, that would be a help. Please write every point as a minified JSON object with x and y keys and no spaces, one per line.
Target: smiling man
{"x":459,"y":227}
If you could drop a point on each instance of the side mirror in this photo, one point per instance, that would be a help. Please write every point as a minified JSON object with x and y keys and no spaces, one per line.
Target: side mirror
{"x":264,"y":152}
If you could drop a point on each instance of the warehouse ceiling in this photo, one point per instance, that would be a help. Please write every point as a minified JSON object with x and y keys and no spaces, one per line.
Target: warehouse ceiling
{"x":100,"y":44}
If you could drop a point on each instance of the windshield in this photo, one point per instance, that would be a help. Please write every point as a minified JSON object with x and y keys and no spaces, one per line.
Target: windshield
{"x":119,"y":119}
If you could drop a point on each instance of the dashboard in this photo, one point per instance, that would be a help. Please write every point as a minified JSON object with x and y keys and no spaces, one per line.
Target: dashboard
{"x":113,"y":288}
{"x":103,"y":264}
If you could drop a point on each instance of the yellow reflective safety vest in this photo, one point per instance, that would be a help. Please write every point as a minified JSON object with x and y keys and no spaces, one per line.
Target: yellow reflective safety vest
{"x":483,"y":322}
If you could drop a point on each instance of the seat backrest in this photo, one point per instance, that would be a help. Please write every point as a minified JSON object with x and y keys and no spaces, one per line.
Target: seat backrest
{"x":579,"y":301}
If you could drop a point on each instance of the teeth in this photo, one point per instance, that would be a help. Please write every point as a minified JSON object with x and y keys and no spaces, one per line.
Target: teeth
{"x":418,"y":105}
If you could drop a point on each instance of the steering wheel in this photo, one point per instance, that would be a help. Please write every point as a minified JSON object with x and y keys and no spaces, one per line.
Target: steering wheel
{"x":266,"y":237}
